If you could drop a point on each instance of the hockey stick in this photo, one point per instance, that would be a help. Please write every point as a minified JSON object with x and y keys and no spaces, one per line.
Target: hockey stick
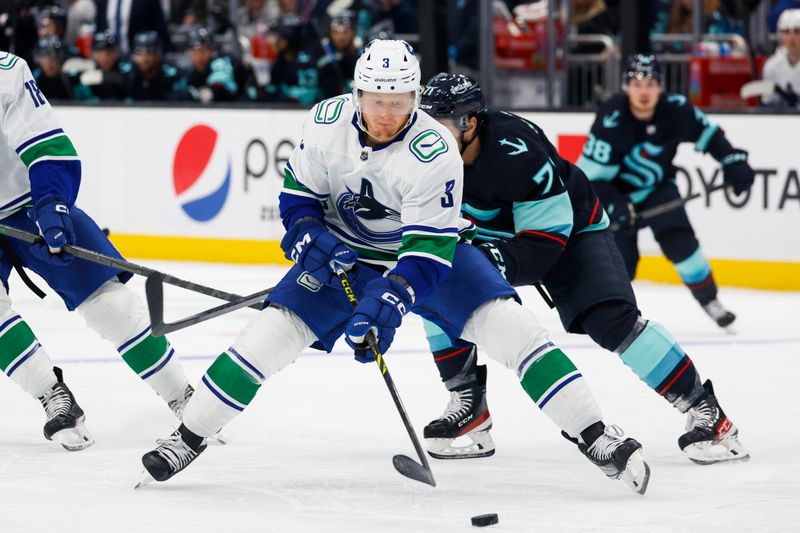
{"x":126,"y":266}
{"x":666,"y":207}
{"x":402,"y":463}
{"x":154,"y":290}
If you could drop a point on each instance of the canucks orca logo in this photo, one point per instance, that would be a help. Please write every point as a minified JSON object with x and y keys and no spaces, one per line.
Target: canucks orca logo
{"x":640,"y":170}
{"x":354,"y":208}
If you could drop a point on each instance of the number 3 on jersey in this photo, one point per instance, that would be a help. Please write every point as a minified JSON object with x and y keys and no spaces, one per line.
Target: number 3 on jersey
{"x":447,"y":199}
{"x":597,"y":149}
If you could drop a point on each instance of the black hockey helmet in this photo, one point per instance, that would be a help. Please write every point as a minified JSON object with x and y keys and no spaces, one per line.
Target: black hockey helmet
{"x":147,"y":42}
{"x":105,"y":40}
{"x":453,"y":96}
{"x":642,"y":66}
{"x":200,"y":38}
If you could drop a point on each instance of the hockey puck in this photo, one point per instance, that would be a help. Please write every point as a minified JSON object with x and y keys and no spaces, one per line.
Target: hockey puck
{"x":484,"y":520}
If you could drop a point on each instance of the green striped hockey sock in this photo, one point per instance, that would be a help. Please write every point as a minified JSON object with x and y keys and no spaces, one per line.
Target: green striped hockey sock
{"x":153,"y":359}
{"x":557,"y":387}
{"x":229,"y":385}
{"x":23,"y":359}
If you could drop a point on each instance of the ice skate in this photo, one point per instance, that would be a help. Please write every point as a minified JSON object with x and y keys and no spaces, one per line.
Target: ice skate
{"x":618,"y":457}
{"x":65,"y":419}
{"x":720,"y":315}
{"x":171,"y":455}
{"x":467,"y":415}
{"x":710,"y":436}
{"x":178,"y":405}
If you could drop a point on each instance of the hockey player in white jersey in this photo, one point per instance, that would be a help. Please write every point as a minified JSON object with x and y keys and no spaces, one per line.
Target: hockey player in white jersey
{"x":375,"y":187}
{"x":40,"y":181}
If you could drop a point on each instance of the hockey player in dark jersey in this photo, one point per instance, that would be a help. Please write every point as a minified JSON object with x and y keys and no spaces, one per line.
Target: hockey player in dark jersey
{"x":538,"y":220}
{"x":628,"y":157}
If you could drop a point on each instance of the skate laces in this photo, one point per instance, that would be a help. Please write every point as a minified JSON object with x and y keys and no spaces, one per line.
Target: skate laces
{"x":56,"y":401}
{"x":175,"y":451}
{"x":715,"y":309}
{"x":179,"y":404}
{"x":703,"y":415}
{"x":460,"y":404}
{"x":606,"y":444}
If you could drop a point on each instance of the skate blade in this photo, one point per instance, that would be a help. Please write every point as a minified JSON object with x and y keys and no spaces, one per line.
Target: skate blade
{"x":482,"y":445}
{"x":146,"y":479}
{"x":74,"y":439}
{"x":726,"y":450}
{"x":637,"y":472}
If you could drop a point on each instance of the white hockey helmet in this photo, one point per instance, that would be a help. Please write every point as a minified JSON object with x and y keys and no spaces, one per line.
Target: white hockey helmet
{"x":386,"y":66}
{"x":789,"y":20}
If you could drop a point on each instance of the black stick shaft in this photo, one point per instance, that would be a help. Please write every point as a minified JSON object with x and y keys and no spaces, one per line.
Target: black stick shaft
{"x":121,"y":264}
{"x":387,"y":377}
{"x":666,"y":207}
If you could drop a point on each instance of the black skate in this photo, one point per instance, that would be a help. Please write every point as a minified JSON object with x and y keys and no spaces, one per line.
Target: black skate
{"x":711,"y":437}
{"x":618,"y":457}
{"x":65,"y":418}
{"x":720,"y":315}
{"x":467,"y":415}
{"x":171,"y":456}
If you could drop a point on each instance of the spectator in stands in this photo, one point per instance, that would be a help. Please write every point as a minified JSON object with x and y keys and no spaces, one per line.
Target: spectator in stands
{"x":79,"y":12}
{"x":783,"y":67}
{"x":52,"y":22}
{"x":294,"y":76}
{"x":49,"y":56}
{"x":777,"y":9}
{"x":715,"y":19}
{"x":593,"y":17}
{"x":109,"y":79}
{"x":128,"y":18}
{"x":463,"y":26}
{"x":214,"y":77}
{"x":398,"y":14}
{"x":255,"y":16}
{"x":152,"y":78}
{"x":336,"y":67}
{"x":18,"y":28}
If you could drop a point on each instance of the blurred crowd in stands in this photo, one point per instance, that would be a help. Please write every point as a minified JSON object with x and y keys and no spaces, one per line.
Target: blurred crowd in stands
{"x":283,"y":50}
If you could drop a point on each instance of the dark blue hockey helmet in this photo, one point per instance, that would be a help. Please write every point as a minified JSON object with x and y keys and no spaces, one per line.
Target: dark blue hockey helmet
{"x":640,"y":67}
{"x":454,"y":96}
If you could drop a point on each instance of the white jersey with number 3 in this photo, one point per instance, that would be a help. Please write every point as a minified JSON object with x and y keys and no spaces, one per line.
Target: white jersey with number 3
{"x":395,"y":200}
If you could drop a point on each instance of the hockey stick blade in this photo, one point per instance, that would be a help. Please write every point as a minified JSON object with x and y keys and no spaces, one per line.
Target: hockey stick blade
{"x":413,"y":470}
{"x":757,"y":88}
{"x":154,"y":290}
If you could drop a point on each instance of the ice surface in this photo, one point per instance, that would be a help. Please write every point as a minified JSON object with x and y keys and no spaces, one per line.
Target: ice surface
{"x":314,"y":450}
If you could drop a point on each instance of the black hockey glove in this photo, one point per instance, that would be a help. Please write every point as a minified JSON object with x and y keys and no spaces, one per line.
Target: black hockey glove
{"x":736,"y":172}
{"x":494,"y":256}
{"x":622,"y":212}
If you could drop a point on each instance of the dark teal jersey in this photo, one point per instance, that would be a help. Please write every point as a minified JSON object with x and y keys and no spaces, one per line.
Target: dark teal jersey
{"x":636,"y":156}
{"x":525,"y":198}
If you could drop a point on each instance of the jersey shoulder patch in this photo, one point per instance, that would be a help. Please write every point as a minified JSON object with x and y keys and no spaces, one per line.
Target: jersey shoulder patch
{"x":328,"y":111}
{"x":428,"y":145}
{"x":8,"y":60}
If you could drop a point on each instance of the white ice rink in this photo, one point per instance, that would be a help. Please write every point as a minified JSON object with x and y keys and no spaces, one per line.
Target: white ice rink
{"x":313,"y":451}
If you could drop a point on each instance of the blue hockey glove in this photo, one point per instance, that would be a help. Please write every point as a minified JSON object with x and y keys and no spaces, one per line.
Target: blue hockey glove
{"x":495,"y":257}
{"x":380,"y":310}
{"x":55,"y":225}
{"x":317,"y":251}
{"x":736,"y":172}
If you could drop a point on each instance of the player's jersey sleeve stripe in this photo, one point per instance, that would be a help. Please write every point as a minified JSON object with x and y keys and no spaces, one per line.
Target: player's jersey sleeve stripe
{"x":292,"y":185}
{"x":705,"y":137}
{"x":438,"y":248}
{"x":56,"y":148}
{"x":597,"y":226}
{"x":550,"y":215}
{"x":595,"y":171}
{"x":556,"y":238}
{"x":41,"y":137}
{"x":13,"y":203}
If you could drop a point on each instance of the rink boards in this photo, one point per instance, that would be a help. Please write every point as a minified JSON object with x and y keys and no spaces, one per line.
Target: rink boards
{"x":203,"y":184}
